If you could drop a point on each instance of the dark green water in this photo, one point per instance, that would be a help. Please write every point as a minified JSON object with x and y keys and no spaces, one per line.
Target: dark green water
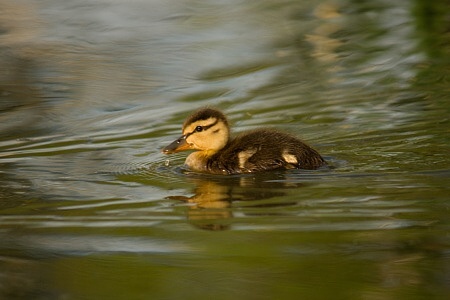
{"x":90,"y":91}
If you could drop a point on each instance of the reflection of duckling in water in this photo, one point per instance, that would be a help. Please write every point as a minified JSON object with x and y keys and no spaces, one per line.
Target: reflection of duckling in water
{"x":211,"y":205}
{"x":252,"y":151}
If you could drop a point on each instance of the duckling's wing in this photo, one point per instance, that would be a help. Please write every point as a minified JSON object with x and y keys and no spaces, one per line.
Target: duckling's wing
{"x":265,"y":158}
{"x":269,"y":149}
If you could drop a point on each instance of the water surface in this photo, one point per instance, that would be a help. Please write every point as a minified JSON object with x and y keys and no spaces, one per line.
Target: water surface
{"x":90,"y":91}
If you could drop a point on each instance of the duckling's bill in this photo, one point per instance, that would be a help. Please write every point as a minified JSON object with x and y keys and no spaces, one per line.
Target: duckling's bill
{"x":178,"y":145}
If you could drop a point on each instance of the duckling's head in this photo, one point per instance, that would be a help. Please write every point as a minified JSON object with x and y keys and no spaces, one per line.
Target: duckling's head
{"x":205,"y":130}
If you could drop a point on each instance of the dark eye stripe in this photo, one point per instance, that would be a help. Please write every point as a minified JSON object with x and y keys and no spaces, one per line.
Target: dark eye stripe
{"x":203,"y":128}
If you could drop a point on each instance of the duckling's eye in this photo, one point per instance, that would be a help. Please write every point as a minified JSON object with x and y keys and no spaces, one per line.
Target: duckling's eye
{"x":199,"y":128}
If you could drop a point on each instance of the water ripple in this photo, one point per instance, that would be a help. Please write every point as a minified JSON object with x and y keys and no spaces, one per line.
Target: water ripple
{"x":86,"y":244}
{"x":157,"y":169}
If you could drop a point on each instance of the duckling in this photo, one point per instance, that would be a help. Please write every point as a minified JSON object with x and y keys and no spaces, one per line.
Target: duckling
{"x":207,"y":131}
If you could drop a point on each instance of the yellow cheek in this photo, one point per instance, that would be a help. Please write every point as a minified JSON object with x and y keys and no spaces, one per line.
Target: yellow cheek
{"x":191,"y":143}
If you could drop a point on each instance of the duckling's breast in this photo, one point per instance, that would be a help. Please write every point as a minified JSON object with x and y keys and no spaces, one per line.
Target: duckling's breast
{"x":197,"y":161}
